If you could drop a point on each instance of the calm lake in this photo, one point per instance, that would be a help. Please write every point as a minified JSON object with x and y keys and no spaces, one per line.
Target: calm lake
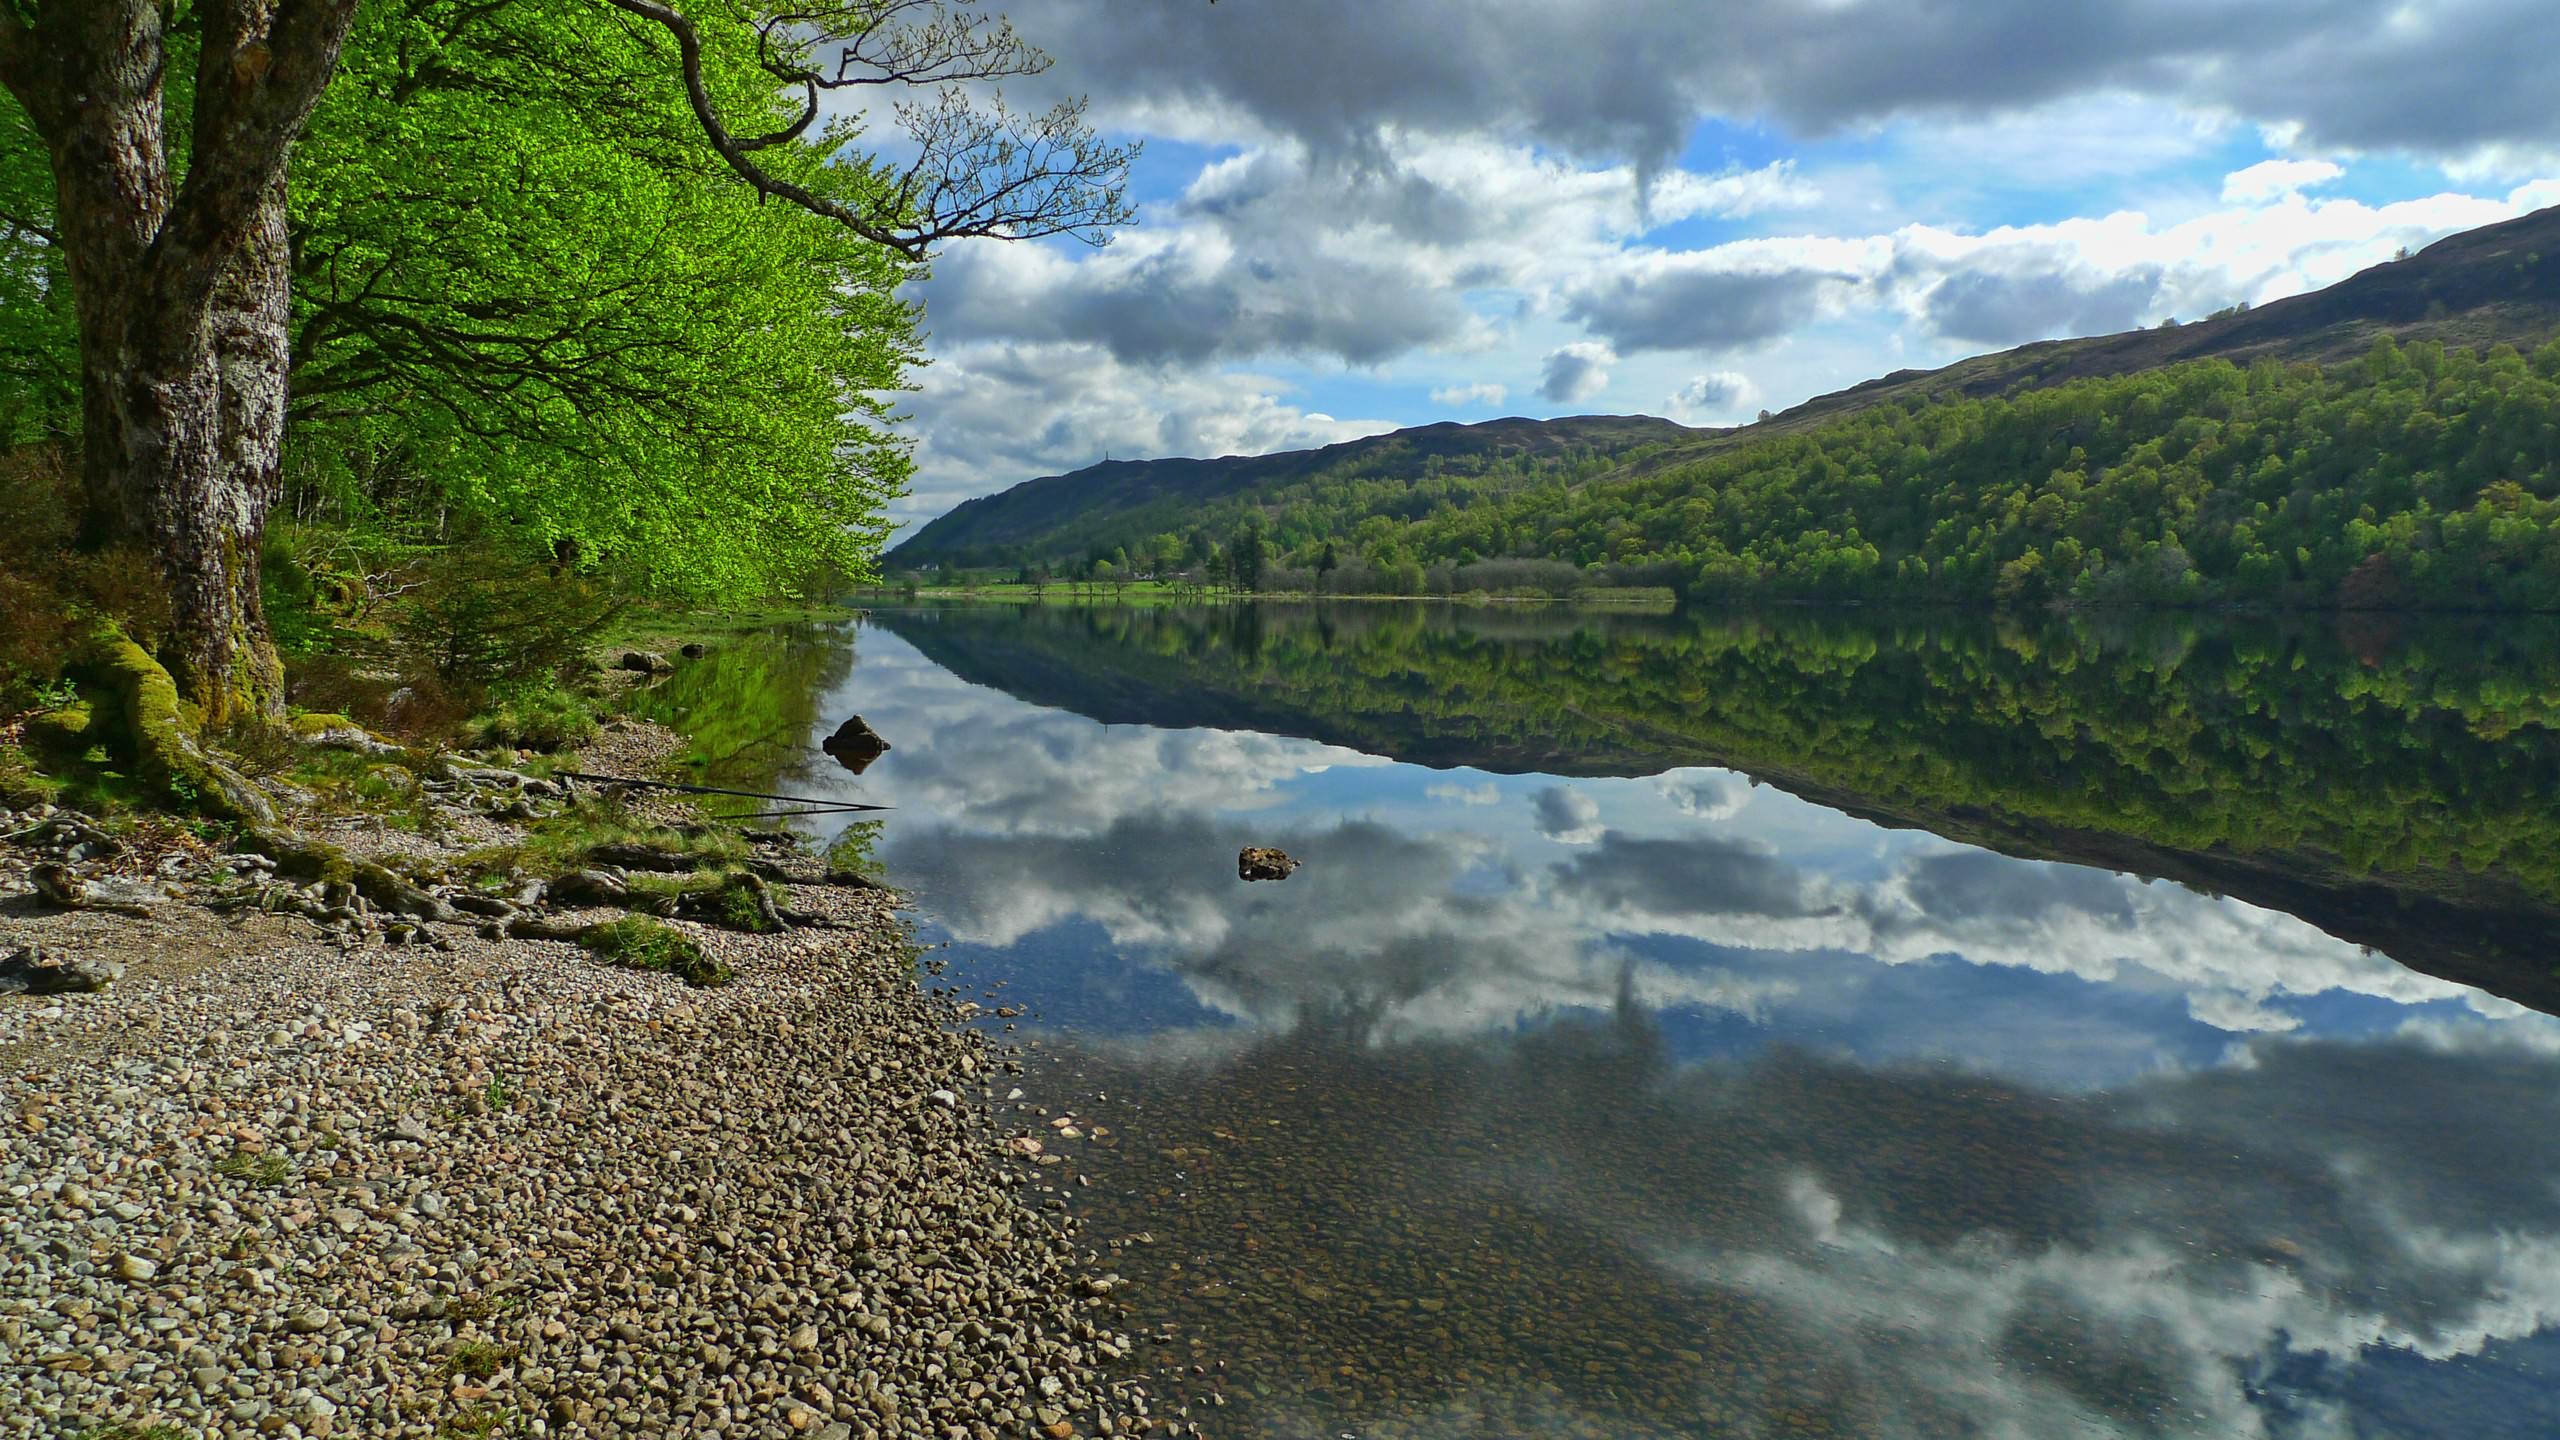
{"x":1845,"y":1025}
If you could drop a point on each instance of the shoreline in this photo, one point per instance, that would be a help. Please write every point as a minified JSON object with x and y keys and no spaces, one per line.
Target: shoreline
{"x":275,"y":1180}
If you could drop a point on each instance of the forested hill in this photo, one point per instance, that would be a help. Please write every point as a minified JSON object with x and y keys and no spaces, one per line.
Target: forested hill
{"x":2496,"y":284}
{"x":2393,"y":440}
{"x":1121,"y":502}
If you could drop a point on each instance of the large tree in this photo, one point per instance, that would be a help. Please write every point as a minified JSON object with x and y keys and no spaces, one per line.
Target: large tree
{"x":175,"y":245}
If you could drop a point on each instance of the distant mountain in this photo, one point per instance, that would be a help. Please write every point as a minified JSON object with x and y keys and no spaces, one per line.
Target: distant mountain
{"x":1123,"y":501}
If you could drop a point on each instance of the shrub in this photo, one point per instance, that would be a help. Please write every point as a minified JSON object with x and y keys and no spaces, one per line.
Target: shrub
{"x":481,"y":616}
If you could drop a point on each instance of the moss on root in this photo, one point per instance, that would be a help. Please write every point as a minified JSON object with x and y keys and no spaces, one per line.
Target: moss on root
{"x":165,"y":733}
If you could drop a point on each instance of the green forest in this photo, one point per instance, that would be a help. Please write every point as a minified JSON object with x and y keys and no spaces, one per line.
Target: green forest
{"x":2417,"y":477}
{"x":539,"y":314}
{"x":404,"y":347}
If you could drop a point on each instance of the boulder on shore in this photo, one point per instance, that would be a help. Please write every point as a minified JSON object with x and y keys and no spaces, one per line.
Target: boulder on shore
{"x":647,"y":662}
{"x":855,"y":745}
{"x":1261,"y":862}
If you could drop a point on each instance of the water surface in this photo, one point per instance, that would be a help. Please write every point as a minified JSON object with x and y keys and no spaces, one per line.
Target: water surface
{"x":1701,"y":1027}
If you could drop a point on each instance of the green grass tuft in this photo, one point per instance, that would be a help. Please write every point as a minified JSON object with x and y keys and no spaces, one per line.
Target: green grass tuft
{"x":639,"y":943}
{"x":264,"y":1168}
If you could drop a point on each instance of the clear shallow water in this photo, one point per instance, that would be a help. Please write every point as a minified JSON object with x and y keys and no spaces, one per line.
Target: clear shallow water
{"x":1588,"y":1090}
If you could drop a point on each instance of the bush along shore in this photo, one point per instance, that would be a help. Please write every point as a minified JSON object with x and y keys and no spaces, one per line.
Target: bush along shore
{"x":445,"y":1098}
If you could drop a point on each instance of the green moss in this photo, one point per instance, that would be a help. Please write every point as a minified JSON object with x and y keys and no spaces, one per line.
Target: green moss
{"x":739,"y":905}
{"x":63,"y":730}
{"x":637,"y":942}
{"x":164,"y":733}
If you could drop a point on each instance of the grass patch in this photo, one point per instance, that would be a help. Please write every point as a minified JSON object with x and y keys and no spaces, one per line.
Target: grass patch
{"x":479,"y":1359}
{"x":637,"y":942}
{"x":545,"y":721}
{"x":263,"y":1168}
{"x":477,"y":1422}
{"x":569,"y":840}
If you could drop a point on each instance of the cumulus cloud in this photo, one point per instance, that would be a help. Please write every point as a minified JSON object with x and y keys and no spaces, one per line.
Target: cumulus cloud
{"x":994,"y":415}
{"x":2002,"y":301}
{"x":1567,"y":816}
{"x":2272,"y":179}
{"x":1576,"y":372}
{"x":1470,"y":397}
{"x":1693,"y":301}
{"x":1705,"y":794}
{"x":1721,"y":392}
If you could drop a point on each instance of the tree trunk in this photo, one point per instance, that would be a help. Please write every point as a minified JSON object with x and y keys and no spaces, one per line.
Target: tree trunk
{"x":183,"y":433}
{"x":181,"y":295}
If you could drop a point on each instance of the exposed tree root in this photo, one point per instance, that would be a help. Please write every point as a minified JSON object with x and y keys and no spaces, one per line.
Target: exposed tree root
{"x":165,"y":734}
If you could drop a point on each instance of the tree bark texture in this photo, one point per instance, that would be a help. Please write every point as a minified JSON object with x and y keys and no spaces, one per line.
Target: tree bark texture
{"x":182,"y":295}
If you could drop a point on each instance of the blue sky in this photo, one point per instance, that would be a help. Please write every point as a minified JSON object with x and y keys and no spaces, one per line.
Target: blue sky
{"x":1359,"y":217}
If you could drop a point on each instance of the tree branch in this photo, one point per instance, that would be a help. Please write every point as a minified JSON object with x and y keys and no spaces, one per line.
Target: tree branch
{"x":256,"y":85}
{"x":1005,"y":177}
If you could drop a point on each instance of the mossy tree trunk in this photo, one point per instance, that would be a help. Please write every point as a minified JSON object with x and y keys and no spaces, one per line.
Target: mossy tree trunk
{"x":180,"y":291}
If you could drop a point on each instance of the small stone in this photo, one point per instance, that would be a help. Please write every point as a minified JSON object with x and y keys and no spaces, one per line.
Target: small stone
{"x":136,"y":1269}
{"x":306,"y":1322}
{"x":1261,"y":862}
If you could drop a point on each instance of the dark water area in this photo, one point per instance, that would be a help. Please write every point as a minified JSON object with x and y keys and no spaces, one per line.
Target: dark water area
{"x":1825,"y":1025}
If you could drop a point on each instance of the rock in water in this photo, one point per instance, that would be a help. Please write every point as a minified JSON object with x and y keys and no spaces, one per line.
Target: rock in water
{"x":693,"y":650}
{"x":34,"y":970}
{"x":647,"y":662}
{"x":855,"y":745}
{"x":1261,"y":862}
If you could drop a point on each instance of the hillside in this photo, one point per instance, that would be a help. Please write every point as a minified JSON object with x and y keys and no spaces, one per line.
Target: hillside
{"x":2235,"y":459}
{"x":1122,"y":502}
{"x":2499,"y":284}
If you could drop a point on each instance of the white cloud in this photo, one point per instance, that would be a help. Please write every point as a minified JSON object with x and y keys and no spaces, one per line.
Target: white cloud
{"x":2274,"y":179}
{"x":1719,"y":394}
{"x":993,"y":415}
{"x":1567,"y":816}
{"x":1576,"y":372}
{"x":1705,"y":794}
{"x":1456,"y":794}
{"x":1470,"y":397}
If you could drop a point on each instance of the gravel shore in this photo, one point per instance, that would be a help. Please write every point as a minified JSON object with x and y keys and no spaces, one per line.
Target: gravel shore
{"x":270,"y":1183}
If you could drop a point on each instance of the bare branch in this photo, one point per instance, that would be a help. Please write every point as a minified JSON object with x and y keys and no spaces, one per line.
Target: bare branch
{"x":977,"y":172}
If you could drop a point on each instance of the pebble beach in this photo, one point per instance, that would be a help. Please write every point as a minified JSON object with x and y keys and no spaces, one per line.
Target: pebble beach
{"x":273,"y":1181}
